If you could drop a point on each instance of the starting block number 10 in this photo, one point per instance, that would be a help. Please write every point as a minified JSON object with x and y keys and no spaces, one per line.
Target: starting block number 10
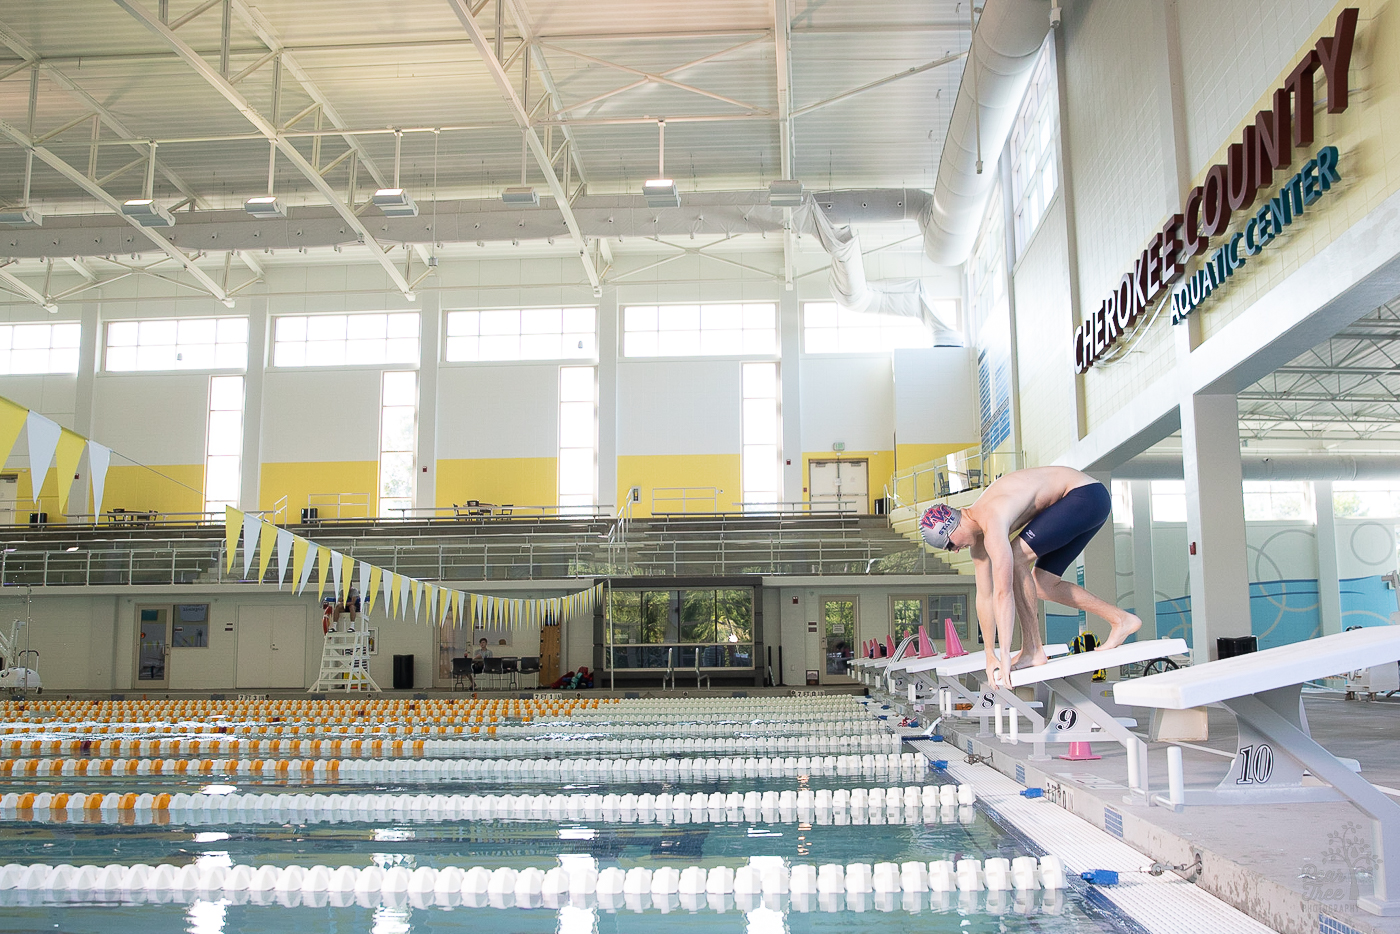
{"x":1256,"y":764}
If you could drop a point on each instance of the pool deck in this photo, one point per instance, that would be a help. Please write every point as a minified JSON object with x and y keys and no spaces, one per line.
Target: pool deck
{"x":1281,"y":864}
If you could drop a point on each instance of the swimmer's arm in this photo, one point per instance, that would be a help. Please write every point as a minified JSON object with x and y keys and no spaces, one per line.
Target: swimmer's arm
{"x":982,"y":574}
{"x":998,"y":548}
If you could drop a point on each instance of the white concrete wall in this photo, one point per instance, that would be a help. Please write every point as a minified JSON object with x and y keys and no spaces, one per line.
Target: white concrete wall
{"x":850,"y":398}
{"x":498,"y":410}
{"x":321,"y":414}
{"x":935,"y":400}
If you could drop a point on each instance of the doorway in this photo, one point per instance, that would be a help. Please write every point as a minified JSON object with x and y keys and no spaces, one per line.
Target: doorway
{"x":9,"y":486}
{"x":271,"y":647}
{"x":838,"y":637}
{"x":839,"y":486}
{"x":153,"y":646}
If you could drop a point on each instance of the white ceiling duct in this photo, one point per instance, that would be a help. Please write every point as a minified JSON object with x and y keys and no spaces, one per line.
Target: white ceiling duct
{"x":998,"y":68}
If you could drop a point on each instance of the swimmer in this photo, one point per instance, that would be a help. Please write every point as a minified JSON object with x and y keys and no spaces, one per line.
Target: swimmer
{"x":1058,"y":510}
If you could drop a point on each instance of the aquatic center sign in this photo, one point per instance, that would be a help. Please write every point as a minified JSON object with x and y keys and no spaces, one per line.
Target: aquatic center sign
{"x":1263,"y":148}
{"x":1302,"y":190}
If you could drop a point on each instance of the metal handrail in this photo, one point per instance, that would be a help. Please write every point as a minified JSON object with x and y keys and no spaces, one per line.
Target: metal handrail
{"x":686,"y":496}
{"x":968,"y":469}
{"x":341,"y":502}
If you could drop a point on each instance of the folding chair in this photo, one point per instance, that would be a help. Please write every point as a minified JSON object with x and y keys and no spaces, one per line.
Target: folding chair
{"x":530,"y":665}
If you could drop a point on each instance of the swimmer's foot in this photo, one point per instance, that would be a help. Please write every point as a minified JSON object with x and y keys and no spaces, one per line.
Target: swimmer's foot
{"x":1120,"y":632}
{"x":1024,"y":659}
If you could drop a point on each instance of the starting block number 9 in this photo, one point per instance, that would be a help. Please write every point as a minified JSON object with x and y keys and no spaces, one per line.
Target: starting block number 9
{"x":1256,"y":764}
{"x":1066,"y":718}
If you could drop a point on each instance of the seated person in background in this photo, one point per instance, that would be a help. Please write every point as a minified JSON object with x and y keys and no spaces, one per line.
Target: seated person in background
{"x":471,"y":667}
{"x":328,"y":615}
{"x":479,"y":657}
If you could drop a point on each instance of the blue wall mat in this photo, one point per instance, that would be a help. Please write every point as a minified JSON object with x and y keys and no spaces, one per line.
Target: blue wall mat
{"x":1367,"y":601}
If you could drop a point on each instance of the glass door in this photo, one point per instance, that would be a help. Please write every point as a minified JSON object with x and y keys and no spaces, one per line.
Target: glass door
{"x":838,"y":636}
{"x":153,"y":646}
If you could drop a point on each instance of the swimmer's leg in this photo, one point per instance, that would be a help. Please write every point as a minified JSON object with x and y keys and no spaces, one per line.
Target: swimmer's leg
{"x":1027,"y":608}
{"x":1058,"y":590}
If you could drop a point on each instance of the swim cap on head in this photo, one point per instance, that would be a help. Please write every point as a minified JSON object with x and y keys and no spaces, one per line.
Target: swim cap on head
{"x":937,"y":523}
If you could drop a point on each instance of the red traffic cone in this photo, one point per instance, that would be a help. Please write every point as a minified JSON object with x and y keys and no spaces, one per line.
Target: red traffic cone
{"x":951,"y":642}
{"x":1079,"y":752}
{"x":925,"y":644}
{"x":889,"y":646}
{"x":868,"y":649}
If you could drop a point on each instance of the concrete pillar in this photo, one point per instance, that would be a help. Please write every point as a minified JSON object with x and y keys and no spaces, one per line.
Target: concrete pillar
{"x":89,"y":342}
{"x":250,"y":460}
{"x":1216,"y":556}
{"x":1101,"y":568}
{"x":430,"y":324}
{"x":1329,"y":587}
{"x":1144,"y":583}
{"x":608,"y":494}
{"x":790,"y":405}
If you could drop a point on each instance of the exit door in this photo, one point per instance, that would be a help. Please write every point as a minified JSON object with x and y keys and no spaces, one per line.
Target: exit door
{"x":838,"y":637}
{"x":839,"y":486}
{"x":271,"y":647}
{"x":9,"y":484}
{"x":153,"y":646}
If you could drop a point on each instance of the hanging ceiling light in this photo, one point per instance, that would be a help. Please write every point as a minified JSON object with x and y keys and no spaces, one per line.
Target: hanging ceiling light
{"x":785,"y":193}
{"x":147,"y":213}
{"x":661,"y":192}
{"x":21,"y":217}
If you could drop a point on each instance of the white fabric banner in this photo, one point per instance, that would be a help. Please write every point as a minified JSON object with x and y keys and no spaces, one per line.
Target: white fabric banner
{"x":252,"y":529}
{"x":364,"y":585}
{"x":284,"y":555}
{"x":42,"y":434}
{"x":99,"y":459}
{"x":337,"y":559}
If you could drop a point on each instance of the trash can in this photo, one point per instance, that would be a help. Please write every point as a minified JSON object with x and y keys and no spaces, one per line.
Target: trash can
{"x":403,"y":672}
{"x":1239,"y":645}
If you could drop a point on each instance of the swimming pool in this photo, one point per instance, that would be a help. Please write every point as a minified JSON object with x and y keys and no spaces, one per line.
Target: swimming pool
{"x":647,"y":867}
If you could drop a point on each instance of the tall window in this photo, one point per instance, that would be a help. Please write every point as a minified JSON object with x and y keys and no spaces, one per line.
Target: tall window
{"x":522,"y":334}
{"x":223,"y":449}
{"x":1368,"y":498}
{"x":398,"y":424}
{"x":1168,"y":501}
{"x":578,"y":438}
{"x":39,"y":348}
{"x":177,"y":344}
{"x":346,"y":340}
{"x":828,"y":328}
{"x":761,"y":433}
{"x":1278,"y":499}
{"x":1033,"y":176}
{"x":700,"y":330}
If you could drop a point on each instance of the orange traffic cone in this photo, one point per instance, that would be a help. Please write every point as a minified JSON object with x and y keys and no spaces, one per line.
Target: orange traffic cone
{"x":1079,"y":752}
{"x":925,"y":644}
{"x":951,"y":642}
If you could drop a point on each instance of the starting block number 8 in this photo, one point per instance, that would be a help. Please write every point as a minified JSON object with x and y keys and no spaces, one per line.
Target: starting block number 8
{"x":1256,"y":764}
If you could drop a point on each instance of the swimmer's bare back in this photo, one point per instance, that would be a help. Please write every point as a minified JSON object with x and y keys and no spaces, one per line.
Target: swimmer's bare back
{"x":1016,"y":498}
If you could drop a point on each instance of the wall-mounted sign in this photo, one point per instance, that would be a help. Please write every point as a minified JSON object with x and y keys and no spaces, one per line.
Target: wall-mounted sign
{"x":1263,"y":148}
{"x":1273,"y":217}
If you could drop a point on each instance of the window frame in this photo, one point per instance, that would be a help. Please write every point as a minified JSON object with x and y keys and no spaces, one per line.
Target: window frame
{"x":105,"y":335}
{"x":699,"y":331}
{"x":580,"y":360}
{"x":386,"y":365}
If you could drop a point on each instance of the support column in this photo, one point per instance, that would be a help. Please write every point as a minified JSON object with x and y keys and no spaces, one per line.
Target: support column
{"x":89,"y":340}
{"x":790,"y":407}
{"x":1329,"y":586}
{"x":1219,"y":569}
{"x":608,"y":493}
{"x":1144,"y":580}
{"x":1101,"y":568}
{"x":250,"y":460}
{"x":425,"y":490}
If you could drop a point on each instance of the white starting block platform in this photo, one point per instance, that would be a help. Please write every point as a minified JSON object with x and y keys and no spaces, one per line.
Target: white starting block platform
{"x":1075,"y":716}
{"x":1275,"y":747}
{"x":871,"y":670}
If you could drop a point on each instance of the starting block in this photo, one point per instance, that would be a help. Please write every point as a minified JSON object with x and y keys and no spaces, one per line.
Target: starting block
{"x":1076,"y":717}
{"x":1264,"y":692}
{"x":984,"y":703}
{"x":870,"y":670}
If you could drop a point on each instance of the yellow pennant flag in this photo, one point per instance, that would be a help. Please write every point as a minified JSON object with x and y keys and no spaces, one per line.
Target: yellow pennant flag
{"x":300,"y":552}
{"x":376,"y":574}
{"x":66,"y":457}
{"x":267,"y":541}
{"x":347,"y":573}
{"x":12,"y":418}
{"x":323,"y":565}
{"x":233,"y":525}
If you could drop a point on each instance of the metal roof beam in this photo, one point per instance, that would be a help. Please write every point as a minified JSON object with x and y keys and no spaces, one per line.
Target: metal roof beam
{"x":23,"y":288}
{"x":906,"y":73}
{"x":112,"y":122}
{"x":782,"y":35}
{"x":15,"y":135}
{"x":657,"y":78}
{"x":532,"y":138}
{"x":264,"y":126}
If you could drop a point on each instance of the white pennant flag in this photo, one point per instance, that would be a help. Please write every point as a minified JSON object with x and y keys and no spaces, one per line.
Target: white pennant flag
{"x":284,"y":555}
{"x":99,"y":459}
{"x":405,"y":585}
{"x":252,"y":527}
{"x":306,"y":569}
{"x":364,"y":584}
{"x":43,"y":436}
